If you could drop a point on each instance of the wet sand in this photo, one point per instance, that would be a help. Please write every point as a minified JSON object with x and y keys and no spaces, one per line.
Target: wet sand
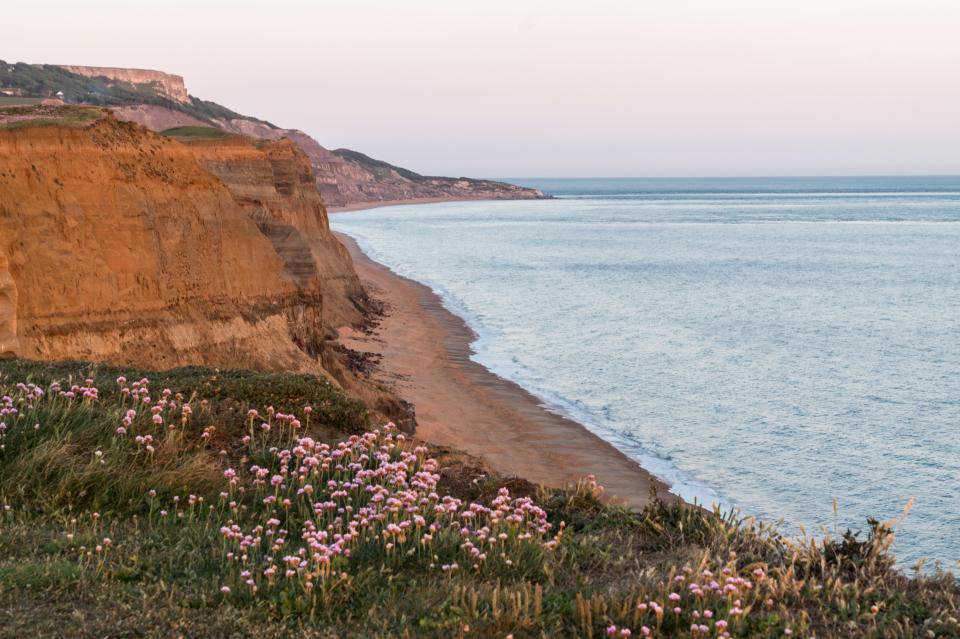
{"x":425,"y":353}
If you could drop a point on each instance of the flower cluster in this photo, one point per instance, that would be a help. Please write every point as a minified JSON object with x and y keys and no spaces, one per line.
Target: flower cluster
{"x":17,"y":405}
{"x":317,"y":505}
{"x":701,"y":602}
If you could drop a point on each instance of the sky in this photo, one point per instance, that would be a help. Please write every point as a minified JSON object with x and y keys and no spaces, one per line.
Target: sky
{"x":511,"y":88}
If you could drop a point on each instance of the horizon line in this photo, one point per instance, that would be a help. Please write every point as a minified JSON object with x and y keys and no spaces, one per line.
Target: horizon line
{"x":726,"y":177}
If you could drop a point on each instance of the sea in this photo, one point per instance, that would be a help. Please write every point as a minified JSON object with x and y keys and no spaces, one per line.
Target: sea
{"x":787,"y":347}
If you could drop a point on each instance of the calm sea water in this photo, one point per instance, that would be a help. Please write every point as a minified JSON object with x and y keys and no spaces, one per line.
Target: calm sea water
{"x":769,"y":344}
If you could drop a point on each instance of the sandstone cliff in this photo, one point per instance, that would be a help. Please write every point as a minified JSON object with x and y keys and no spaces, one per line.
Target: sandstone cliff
{"x":169,"y":85}
{"x":160,"y":101}
{"x":118,"y":245}
{"x":155,"y":118}
{"x":343,"y":177}
{"x":346,"y":177}
{"x":274,"y":183}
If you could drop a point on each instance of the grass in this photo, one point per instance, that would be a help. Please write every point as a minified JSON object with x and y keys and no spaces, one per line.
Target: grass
{"x":6,"y":100}
{"x":195,"y":132}
{"x":233,"y":519}
{"x":70,"y":116}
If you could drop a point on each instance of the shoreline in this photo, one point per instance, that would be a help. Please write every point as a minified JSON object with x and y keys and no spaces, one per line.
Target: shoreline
{"x":425,"y":358}
{"x":363,"y":206}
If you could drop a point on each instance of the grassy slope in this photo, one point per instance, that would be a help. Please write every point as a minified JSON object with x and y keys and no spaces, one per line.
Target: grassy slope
{"x":383,"y":169}
{"x":70,"y":116}
{"x":377,"y":166}
{"x":14,"y":101}
{"x":161,"y":575}
{"x":195,"y":132}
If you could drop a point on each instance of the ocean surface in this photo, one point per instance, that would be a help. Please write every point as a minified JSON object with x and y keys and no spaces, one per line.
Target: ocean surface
{"x":770,"y":344}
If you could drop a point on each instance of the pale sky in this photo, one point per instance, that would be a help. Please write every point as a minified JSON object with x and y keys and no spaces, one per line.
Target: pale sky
{"x":550,"y":87}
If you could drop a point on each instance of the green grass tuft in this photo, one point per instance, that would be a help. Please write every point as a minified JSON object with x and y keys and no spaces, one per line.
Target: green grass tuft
{"x":195,"y":132}
{"x":70,"y":116}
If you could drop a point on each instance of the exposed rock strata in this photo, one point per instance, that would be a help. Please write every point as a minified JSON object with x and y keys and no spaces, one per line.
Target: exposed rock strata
{"x":118,"y":245}
{"x":274,"y":183}
{"x":169,"y":85}
{"x":9,"y":342}
{"x":155,"y":118}
{"x":343,"y":177}
{"x":347,"y":177}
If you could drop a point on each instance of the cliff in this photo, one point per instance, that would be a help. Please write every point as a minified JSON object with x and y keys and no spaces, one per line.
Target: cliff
{"x":273,"y":182}
{"x":120,"y":245}
{"x":346,"y":177}
{"x":160,"y":101}
{"x":171,"y":86}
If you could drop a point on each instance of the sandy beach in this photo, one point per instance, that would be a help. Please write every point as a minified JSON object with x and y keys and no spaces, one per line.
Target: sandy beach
{"x":425,"y":353}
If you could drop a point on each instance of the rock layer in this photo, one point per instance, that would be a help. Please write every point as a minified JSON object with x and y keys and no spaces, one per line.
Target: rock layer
{"x":346,"y":177}
{"x":9,"y":343}
{"x":155,"y":118}
{"x":274,"y":183}
{"x":167,"y":84}
{"x":343,"y":177}
{"x":120,"y":245}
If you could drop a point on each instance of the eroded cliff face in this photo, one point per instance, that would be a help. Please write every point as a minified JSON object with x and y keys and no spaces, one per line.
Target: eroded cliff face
{"x":120,"y":245}
{"x":169,"y":85}
{"x":344,"y":178}
{"x":155,"y":118}
{"x":347,"y":178}
{"x":273,"y":181}
{"x":9,"y":343}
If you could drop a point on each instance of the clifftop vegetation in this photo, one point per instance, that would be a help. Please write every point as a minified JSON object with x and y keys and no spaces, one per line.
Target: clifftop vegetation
{"x":208,"y":503}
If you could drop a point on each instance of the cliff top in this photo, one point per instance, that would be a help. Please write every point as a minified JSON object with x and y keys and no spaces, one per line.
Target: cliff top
{"x":169,"y":85}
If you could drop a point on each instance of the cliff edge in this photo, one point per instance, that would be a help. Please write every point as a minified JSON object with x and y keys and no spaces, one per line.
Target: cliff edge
{"x":120,"y":245}
{"x":169,"y":85}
